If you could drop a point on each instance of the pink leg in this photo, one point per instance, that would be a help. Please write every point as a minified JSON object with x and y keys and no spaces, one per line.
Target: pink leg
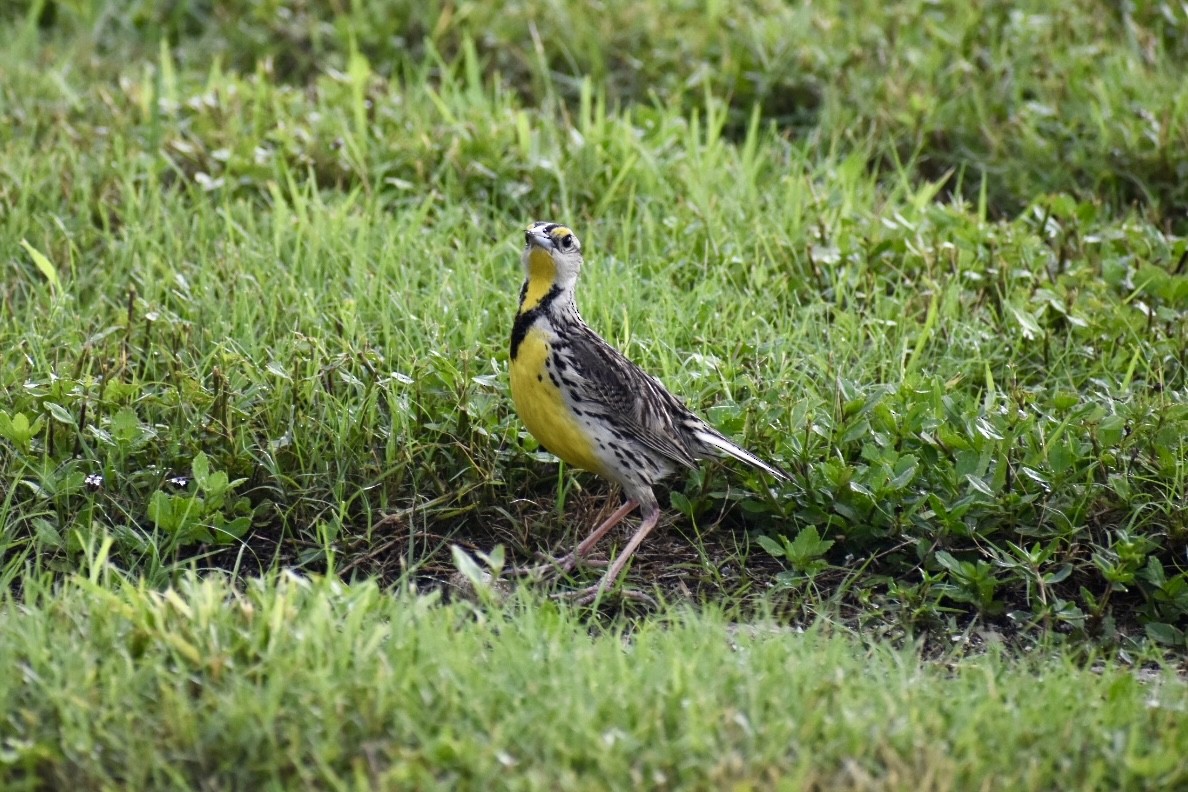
{"x":587,"y":596}
{"x":568,"y":561}
{"x":596,"y":535}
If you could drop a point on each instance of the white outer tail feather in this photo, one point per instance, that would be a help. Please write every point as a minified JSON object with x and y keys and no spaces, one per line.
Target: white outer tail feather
{"x":714,"y":441}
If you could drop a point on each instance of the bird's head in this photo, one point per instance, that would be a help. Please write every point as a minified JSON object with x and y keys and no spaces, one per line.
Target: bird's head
{"x":552,"y":254}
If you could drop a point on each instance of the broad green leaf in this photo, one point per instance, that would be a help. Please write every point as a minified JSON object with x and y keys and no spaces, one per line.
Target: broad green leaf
{"x":772,"y":547}
{"x":201,"y":469}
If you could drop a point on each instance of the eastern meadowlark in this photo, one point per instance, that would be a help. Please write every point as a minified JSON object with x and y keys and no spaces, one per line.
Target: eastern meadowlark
{"x":591,"y":406}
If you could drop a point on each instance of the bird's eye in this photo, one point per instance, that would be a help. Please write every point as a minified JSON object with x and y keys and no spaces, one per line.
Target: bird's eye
{"x":567,"y":242}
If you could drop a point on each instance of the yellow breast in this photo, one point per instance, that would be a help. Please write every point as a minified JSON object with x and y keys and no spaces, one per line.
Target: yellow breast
{"x":542,"y":406}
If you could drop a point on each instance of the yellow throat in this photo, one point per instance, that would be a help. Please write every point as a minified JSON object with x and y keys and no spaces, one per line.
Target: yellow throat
{"x":542,"y":273}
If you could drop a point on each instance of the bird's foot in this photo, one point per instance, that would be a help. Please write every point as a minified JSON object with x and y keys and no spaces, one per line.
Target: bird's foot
{"x":592,"y":594}
{"x":552,"y":566}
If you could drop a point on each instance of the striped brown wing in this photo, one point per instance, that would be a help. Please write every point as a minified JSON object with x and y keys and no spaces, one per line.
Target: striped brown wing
{"x":631,"y":400}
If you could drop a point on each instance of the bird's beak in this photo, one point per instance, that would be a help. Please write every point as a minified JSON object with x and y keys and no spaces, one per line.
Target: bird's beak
{"x":538,"y":239}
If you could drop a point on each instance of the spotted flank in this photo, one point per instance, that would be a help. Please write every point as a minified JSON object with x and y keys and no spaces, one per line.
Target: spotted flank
{"x":588,"y":404}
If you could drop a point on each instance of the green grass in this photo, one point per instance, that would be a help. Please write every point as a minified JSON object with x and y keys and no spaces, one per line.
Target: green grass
{"x":298,"y":683}
{"x":307,"y":275}
{"x":928,"y":256}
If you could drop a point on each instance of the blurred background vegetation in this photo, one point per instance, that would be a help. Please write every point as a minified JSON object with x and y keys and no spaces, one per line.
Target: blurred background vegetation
{"x":1086,"y":98}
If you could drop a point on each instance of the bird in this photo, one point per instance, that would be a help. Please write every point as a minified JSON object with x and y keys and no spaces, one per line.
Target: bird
{"x":587,"y":404}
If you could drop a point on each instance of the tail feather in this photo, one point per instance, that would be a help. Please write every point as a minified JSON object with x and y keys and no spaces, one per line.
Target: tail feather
{"x":722,"y":446}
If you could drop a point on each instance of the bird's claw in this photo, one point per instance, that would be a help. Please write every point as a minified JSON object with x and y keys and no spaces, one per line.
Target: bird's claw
{"x":591,"y":594}
{"x":551,"y":565}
